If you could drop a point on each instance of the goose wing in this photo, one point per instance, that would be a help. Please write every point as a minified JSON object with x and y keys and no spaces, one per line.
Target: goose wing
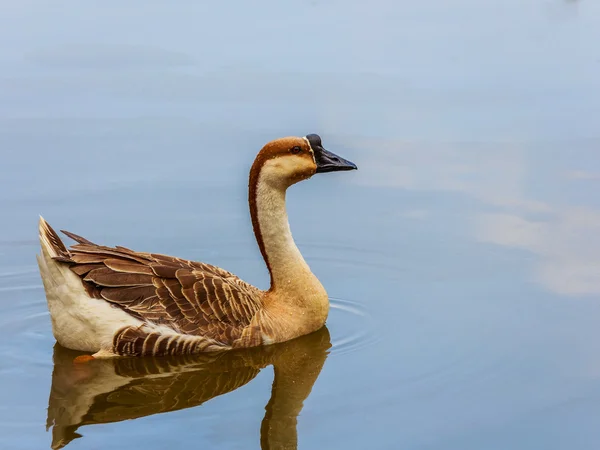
{"x":190,"y":297}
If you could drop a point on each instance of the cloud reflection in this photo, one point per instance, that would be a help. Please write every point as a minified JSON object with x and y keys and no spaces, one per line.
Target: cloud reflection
{"x":569,"y":255}
{"x":508,"y":181}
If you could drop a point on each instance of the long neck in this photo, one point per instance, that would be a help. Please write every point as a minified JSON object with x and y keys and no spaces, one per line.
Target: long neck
{"x":271,"y":227}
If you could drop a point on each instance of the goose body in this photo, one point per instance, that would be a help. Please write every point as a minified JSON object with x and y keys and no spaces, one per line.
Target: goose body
{"x":112,"y":301}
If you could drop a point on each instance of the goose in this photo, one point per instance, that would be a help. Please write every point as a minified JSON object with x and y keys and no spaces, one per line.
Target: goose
{"x":116,"y":302}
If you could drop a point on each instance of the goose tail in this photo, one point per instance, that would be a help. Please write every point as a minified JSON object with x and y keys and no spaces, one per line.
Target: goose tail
{"x":53,"y":255}
{"x":50,"y":242}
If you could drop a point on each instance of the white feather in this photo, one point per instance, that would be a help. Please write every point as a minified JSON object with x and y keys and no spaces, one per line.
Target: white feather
{"x":79,"y":322}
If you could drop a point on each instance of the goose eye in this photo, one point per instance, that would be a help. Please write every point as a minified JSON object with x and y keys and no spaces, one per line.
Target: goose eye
{"x":295,"y":150}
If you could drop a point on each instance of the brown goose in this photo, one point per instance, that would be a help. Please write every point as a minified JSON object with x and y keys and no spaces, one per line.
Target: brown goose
{"x":118,"y":302}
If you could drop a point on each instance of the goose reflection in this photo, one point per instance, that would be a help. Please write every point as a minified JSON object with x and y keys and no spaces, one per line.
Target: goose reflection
{"x":113,"y":390}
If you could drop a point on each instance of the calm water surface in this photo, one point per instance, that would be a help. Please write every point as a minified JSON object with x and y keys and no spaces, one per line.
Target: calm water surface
{"x":463,"y":258}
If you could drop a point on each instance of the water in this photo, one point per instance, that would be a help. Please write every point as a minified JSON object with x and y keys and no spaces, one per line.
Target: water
{"x":462,"y":259}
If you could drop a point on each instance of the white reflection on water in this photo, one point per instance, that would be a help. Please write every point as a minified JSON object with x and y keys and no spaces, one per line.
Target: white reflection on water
{"x":567,"y":247}
{"x":506,"y":180}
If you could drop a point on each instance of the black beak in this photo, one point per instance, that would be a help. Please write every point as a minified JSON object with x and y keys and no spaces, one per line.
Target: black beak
{"x":327,"y":161}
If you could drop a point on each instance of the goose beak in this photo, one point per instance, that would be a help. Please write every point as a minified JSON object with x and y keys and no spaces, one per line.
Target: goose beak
{"x":325,"y":160}
{"x":330,"y":162}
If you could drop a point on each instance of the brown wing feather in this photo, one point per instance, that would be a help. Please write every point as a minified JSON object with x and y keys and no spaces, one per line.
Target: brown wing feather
{"x":190,"y":297}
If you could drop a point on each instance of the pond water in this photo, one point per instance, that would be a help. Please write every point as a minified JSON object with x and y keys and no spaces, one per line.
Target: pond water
{"x":462,"y":258}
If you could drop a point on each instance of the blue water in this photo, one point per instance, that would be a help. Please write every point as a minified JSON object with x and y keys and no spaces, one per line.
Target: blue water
{"x":462,"y":258}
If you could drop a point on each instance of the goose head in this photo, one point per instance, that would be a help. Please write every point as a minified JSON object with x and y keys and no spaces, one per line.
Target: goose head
{"x":288,"y":160}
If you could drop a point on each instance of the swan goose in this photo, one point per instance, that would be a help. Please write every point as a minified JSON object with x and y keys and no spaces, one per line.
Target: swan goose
{"x":112,"y":301}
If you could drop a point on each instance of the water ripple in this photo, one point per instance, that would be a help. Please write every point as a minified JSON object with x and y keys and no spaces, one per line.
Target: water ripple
{"x":24,"y":322}
{"x":358,"y":326}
